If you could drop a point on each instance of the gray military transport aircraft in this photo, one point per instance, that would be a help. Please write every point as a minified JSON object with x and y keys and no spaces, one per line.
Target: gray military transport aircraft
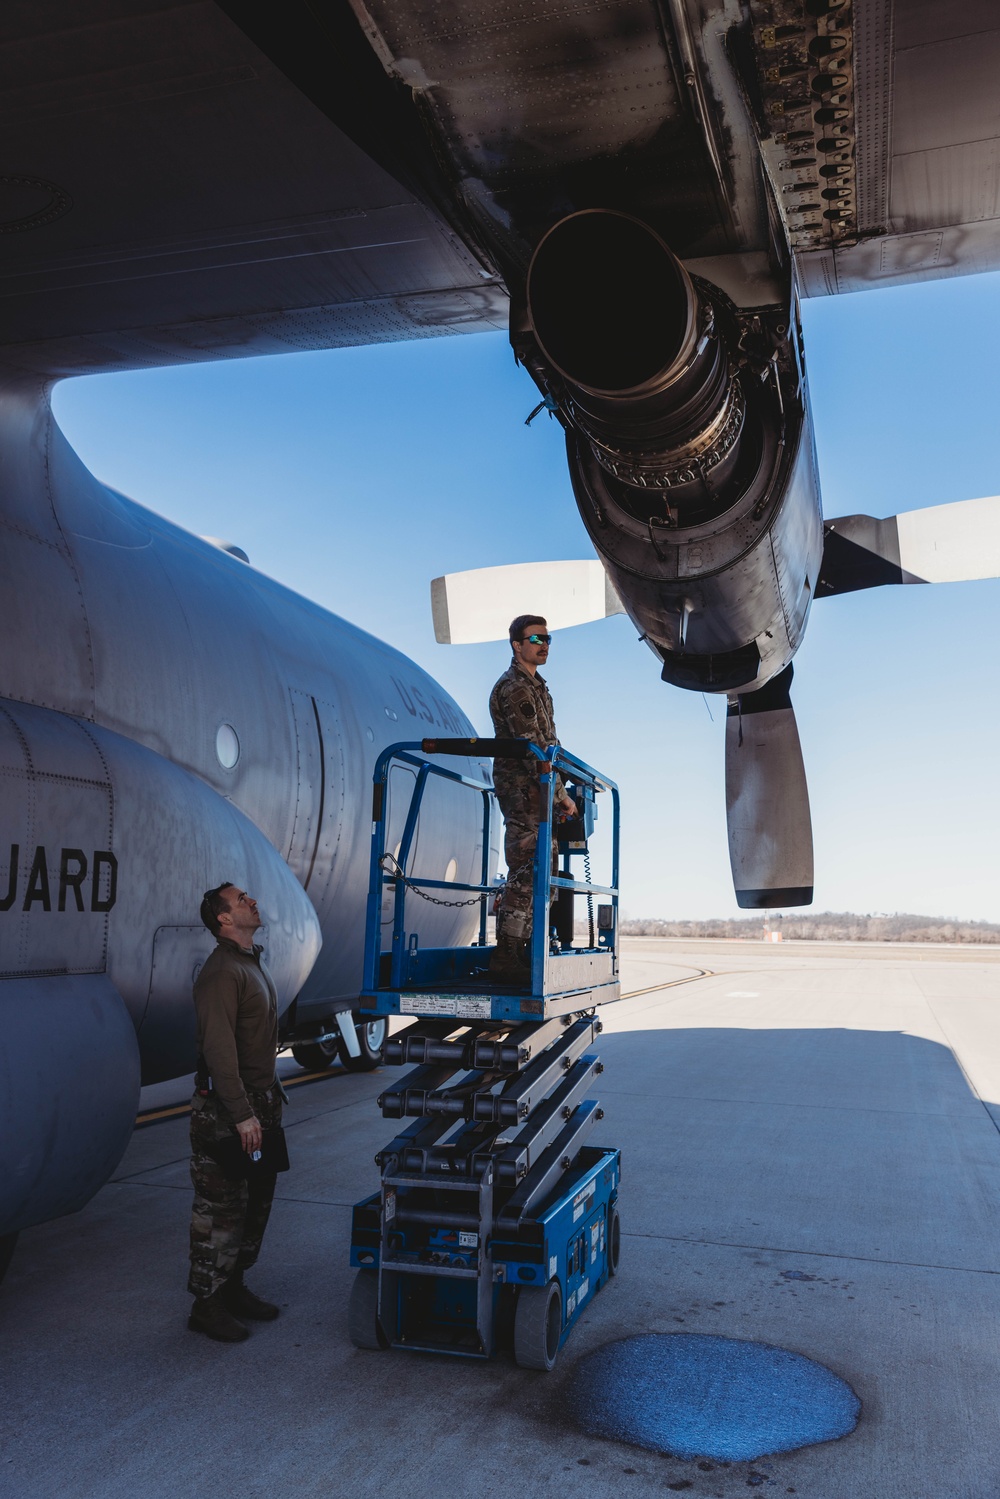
{"x":171,"y":718}
{"x":641,"y":190}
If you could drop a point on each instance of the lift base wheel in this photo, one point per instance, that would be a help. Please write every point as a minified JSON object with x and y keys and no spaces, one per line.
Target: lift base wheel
{"x":538,"y":1326}
{"x":362,"y":1312}
{"x":371,"y":1036}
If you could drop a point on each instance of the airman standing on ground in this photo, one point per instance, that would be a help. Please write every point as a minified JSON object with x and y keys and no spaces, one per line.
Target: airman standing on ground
{"x":236,"y":1090}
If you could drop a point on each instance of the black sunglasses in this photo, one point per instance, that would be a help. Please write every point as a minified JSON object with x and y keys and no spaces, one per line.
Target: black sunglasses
{"x":536,"y":640}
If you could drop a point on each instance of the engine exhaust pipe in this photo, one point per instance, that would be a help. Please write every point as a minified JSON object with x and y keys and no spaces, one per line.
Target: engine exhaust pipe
{"x":647,"y":376}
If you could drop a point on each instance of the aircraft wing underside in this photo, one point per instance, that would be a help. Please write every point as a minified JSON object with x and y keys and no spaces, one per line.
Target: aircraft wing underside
{"x":168,"y":196}
{"x":195,"y":181}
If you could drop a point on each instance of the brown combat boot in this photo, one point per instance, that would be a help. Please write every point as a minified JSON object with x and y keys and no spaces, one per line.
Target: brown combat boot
{"x":210,"y":1315}
{"x":241,"y":1301}
{"x":510,"y":961}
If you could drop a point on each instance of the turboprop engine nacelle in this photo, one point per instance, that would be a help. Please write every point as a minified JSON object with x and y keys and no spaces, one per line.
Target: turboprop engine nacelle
{"x":691,"y":455}
{"x":688,"y":449}
{"x":649,"y":382}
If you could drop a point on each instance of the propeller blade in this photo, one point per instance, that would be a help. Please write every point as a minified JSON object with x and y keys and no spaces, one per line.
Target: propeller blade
{"x":767,"y":800}
{"x":953,"y":543}
{"x":479,"y":605}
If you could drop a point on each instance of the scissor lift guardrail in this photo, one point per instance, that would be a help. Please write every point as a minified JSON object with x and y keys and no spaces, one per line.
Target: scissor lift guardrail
{"x":496,"y":1220}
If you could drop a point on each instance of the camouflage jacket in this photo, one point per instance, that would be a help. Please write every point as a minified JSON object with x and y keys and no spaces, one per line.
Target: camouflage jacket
{"x":521,"y":708}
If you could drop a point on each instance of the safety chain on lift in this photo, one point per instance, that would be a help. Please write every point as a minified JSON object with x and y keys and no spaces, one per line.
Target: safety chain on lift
{"x":398,"y":874}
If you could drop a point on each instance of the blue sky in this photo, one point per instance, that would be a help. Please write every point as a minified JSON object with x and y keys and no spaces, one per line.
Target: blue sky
{"x":357,"y":475}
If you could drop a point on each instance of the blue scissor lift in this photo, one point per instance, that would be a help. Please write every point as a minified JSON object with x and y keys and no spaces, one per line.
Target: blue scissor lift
{"x":496,"y":1220}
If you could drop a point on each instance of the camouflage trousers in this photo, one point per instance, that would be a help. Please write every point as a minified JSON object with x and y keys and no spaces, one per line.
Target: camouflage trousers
{"x":514,"y":917}
{"x":229,"y":1217}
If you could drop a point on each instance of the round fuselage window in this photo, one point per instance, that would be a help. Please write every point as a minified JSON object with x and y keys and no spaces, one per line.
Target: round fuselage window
{"x":227,"y":746}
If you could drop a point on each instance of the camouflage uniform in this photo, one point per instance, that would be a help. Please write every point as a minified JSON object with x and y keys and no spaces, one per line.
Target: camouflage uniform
{"x":521,"y":708}
{"x":237,"y":1010}
{"x":229,"y":1217}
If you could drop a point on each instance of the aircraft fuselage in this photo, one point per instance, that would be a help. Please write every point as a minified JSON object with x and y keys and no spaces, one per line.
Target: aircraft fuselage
{"x":170,"y":719}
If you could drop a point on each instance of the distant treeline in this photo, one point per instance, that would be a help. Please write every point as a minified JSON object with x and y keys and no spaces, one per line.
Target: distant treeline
{"x":825,"y":926}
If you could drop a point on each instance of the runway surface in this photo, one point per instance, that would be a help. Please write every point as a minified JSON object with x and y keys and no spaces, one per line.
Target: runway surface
{"x":811,"y":1159}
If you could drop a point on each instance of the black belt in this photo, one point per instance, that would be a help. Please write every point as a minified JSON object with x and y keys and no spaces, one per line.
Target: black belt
{"x":203,"y":1086}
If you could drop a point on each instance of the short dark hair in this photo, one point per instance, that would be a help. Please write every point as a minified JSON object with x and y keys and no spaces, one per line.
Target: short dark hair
{"x":519,"y":625}
{"x":212,"y":902}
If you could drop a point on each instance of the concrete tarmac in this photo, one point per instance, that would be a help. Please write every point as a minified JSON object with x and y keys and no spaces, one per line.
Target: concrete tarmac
{"x":811,"y":1159}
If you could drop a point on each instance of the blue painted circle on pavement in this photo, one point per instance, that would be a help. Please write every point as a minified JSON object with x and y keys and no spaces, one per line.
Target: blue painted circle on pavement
{"x":691,"y":1395}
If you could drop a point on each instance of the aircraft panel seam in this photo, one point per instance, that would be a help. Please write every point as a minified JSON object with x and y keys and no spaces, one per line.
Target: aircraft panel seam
{"x":873,"y":85}
{"x":30,"y":819}
{"x":22,"y":740}
{"x":54,"y":546}
{"x":322,"y":794}
{"x":52,"y":433}
{"x":42,"y":973}
{"x":53,"y":777}
{"x":111,"y":822}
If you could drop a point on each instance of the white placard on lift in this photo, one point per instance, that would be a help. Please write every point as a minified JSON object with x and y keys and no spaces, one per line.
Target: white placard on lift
{"x":470,"y":1007}
{"x":428,"y":1004}
{"x":461,"y":1006}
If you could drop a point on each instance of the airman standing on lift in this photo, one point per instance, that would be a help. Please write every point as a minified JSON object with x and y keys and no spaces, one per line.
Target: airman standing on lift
{"x":521,"y":708}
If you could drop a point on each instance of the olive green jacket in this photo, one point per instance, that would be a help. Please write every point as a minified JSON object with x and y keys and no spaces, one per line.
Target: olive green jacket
{"x":237,"y":1008}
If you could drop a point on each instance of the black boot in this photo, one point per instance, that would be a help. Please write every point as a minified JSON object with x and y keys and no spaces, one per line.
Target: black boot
{"x":240,"y":1300}
{"x":510,"y":961}
{"x":212,"y":1316}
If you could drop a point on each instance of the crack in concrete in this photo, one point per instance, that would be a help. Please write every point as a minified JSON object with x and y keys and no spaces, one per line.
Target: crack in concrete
{"x":777,"y":1103}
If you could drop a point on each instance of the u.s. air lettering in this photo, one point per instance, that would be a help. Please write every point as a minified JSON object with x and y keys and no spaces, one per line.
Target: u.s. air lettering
{"x":435,"y":712}
{"x":77,"y":882}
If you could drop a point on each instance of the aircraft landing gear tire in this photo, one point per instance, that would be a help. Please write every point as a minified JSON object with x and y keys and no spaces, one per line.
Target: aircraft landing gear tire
{"x":614,"y":1239}
{"x":538,"y":1326}
{"x":363,"y":1327}
{"x":315,"y":1055}
{"x":371,"y":1036}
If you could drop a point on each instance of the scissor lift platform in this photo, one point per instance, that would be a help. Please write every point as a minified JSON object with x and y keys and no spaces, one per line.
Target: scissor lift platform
{"x":496,"y":1219}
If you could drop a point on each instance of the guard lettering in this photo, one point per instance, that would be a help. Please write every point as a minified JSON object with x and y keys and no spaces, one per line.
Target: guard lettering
{"x":72,"y":879}
{"x":11,"y":896}
{"x":38,"y":882}
{"x":75,"y":871}
{"x":102,"y":858}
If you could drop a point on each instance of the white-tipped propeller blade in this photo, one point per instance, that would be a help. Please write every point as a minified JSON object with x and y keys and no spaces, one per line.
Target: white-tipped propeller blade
{"x":954,"y":543}
{"x":767,"y":800}
{"x":479,"y":605}
{"x":951,"y":543}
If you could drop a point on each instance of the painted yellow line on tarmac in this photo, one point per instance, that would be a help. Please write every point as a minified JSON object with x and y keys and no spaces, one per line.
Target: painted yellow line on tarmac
{"x":154,"y":1116}
{"x":699,"y":973}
